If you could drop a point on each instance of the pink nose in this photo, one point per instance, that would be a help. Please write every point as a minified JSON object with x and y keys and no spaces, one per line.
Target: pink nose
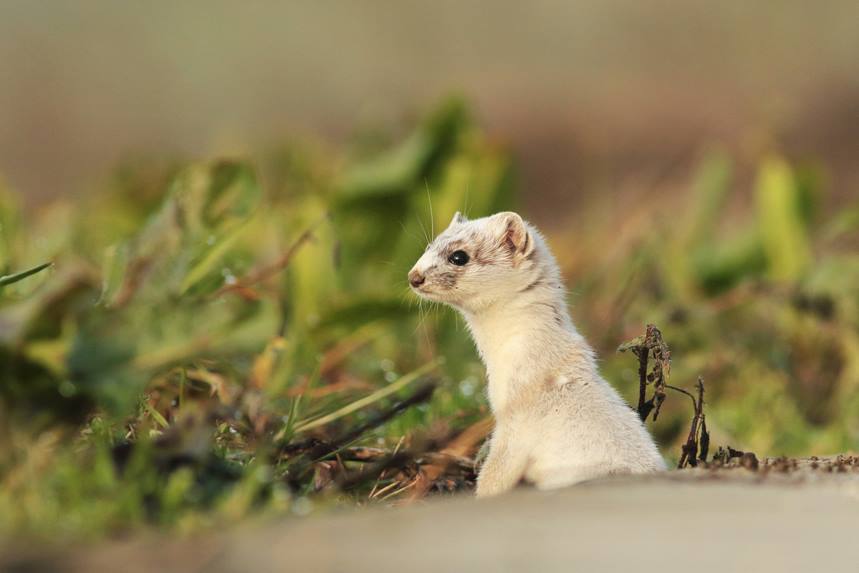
{"x":416,"y":279}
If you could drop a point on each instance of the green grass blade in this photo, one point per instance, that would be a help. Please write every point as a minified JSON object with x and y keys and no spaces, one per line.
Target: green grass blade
{"x":370,"y":399}
{"x":156,"y":415}
{"x":783,"y":231}
{"x":12,"y":279}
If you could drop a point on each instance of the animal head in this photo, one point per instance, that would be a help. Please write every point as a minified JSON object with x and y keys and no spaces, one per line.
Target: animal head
{"x":475,"y":264}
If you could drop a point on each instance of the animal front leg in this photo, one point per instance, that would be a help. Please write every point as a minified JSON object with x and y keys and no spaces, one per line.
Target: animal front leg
{"x":504,"y":466}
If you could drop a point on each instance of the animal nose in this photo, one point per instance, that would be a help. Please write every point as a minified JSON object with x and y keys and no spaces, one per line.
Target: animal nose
{"x":416,"y":279}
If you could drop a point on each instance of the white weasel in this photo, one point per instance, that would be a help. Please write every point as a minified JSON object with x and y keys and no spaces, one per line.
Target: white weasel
{"x":557,"y":421}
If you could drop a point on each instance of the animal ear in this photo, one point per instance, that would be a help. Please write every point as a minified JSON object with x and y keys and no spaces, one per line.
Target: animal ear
{"x":457,"y":218}
{"x":514,"y":233}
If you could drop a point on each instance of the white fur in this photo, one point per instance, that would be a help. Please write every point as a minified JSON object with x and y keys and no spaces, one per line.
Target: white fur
{"x":558,"y":422}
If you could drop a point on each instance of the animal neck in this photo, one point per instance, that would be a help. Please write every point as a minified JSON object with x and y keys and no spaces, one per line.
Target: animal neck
{"x":526,"y":341}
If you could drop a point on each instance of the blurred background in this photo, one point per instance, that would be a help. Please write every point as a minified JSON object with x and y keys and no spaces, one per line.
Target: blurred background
{"x":587,"y":95}
{"x":231,"y":195}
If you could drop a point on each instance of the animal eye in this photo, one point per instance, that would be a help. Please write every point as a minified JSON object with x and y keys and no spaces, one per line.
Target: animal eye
{"x":458,"y":258}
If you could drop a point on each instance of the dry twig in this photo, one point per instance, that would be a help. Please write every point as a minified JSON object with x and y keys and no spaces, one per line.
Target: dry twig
{"x":265,"y":272}
{"x":651,"y":346}
{"x":647,"y":347}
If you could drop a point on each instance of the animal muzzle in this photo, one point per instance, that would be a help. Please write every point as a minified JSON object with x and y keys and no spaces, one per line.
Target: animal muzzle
{"x":416,"y":278}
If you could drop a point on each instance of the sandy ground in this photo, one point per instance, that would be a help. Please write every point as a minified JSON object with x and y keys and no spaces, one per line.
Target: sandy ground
{"x":697,"y":521}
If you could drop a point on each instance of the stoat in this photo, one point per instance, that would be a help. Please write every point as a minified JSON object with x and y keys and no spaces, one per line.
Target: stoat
{"x":557,"y":421}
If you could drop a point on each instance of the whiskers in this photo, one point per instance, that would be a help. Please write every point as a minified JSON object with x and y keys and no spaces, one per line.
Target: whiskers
{"x":425,"y":309}
{"x":429,"y":202}
{"x":412,"y":235}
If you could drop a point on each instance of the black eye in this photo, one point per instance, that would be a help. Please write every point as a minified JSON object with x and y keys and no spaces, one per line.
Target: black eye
{"x":458,"y":258}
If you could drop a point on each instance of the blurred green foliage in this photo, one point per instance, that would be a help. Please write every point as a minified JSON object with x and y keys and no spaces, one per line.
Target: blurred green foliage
{"x":764,"y":308}
{"x":200,"y":316}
